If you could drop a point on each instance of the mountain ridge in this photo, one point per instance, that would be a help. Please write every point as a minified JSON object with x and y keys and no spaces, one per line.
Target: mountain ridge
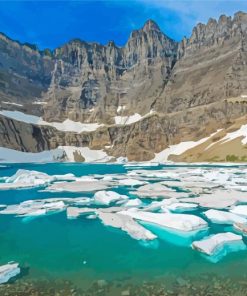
{"x":189,"y":83}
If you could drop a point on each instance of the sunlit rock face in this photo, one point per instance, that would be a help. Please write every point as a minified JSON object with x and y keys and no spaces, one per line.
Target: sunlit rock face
{"x":145,"y":96}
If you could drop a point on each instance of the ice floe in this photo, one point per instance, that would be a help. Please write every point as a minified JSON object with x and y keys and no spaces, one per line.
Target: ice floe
{"x":127,"y":224}
{"x":131,"y":182}
{"x":180,"y":207}
{"x":157,"y":190}
{"x":219,"y":199}
{"x":218,"y":245}
{"x":107,"y":197}
{"x":240,"y":210}
{"x":26,"y":178}
{"x":41,"y":207}
{"x":9,"y":271}
{"x":241,"y":227}
{"x":32,"y":208}
{"x":182,"y":222}
{"x":78,"y":186}
{"x":222,"y":217}
{"x":74,"y":212}
{"x":136,"y":202}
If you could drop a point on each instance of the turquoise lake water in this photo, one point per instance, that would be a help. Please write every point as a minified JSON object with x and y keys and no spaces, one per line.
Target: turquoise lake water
{"x":84,"y":250}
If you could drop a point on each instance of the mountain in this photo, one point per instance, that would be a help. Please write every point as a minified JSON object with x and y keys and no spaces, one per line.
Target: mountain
{"x":133,"y":101}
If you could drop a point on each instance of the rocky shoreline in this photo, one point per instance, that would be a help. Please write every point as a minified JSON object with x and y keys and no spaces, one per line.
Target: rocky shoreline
{"x":204,"y":284}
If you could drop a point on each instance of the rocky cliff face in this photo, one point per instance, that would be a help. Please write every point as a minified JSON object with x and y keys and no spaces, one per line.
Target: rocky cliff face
{"x":90,"y":81}
{"x":188,"y":86}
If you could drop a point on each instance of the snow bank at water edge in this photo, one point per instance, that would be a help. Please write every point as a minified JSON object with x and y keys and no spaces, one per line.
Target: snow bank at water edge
{"x":9,"y":271}
{"x":14,"y":156}
{"x":62,"y":153}
{"x":89,"y":155}
{"x":216,"y":246}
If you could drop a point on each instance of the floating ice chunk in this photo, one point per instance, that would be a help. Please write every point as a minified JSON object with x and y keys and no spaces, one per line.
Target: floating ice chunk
{"x":107,"y":197}
{"x":153,"y":189}
{"x":158,"y":205}
{"x":219,"y":245}
{"x":91,"y":217}
{"x":73,"y":212}
{"x":33,"y":208}
{"x":220,"y":199}
{"x":242,"y":227}
{"x":9,"y":271}
{"x":180,"y":207}
{"x":25,"y":178}
{"x":133,"y":203}
{"x":182,"y":222}
{"x":80,"y":201}
{"x":78,"y":186}
{"x":107,"y":178}
{"x":222,"y":217}
{"x":131,"y":182}
{"x":127,"y":224}
{"x":240,"y":210}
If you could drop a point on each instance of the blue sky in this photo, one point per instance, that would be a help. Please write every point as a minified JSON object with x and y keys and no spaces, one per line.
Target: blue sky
{"x":52,"y":23}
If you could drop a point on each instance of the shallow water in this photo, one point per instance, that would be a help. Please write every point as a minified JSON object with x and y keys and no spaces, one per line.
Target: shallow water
{"x":83,"y":250}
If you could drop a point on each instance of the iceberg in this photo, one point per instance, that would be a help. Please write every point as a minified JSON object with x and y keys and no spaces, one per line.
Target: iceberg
{"x":242,"y":227}
{"x":136,"y":202}
{"x":73,"y":212}
{"x":216,"y":246}
{"x":107,"y":197}
{"x":9,"y":271}
{"x":127,"y":224}
{"x":222,"y":217}
{"x":78,"y":186}
{"x":34,"y":208}
{"x":220,"y":199}
{"x":240,"y":210}
{"x":181,"y":222}
{"x":25,"y":178}
{"x":158,"y":190}
{"x":180,"y":207}
{"x":131,"y":182}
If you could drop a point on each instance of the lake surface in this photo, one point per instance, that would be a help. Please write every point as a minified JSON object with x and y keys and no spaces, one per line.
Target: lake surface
{"x":85,"y":250}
